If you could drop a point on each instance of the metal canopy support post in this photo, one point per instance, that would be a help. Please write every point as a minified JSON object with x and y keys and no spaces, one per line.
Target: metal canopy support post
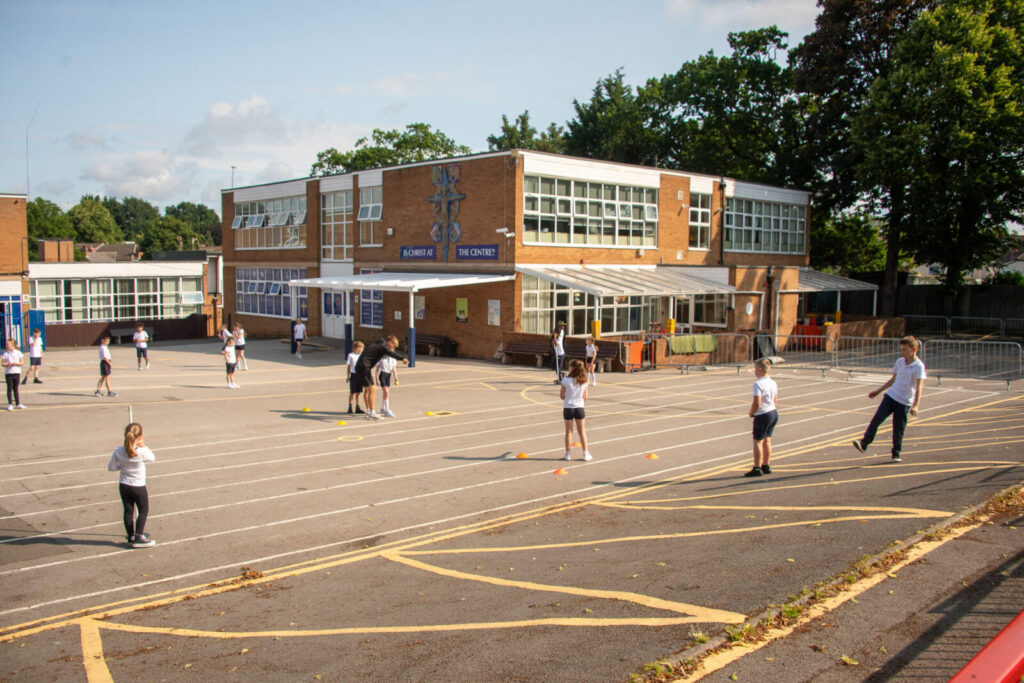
{"x":349,"y":321}
{"x":412,"y":329}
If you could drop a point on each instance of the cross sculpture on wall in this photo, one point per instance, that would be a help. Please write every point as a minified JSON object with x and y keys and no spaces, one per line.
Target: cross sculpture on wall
{"x":446,"y":228}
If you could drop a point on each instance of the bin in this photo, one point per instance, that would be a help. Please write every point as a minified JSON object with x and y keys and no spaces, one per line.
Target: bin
{"x":670,"y":326}
{"x":595,"y":329}
{"x":449,"y":347}
{"x":634,"y":354}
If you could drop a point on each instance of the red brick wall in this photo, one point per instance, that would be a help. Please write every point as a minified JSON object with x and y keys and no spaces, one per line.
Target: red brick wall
{"x":13,"y":233}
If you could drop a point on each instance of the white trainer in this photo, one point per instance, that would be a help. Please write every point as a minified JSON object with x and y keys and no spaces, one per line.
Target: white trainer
{"x":587,"y":455}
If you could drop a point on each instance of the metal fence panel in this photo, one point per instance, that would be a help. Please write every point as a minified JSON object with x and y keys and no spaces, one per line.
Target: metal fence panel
{"x":866,"y":354}
{"x":973,"y":359}
{"x":688,"y":350}
{"x":796,"y":350}
{"x":974,"y":325}
{"x":927,"y":325}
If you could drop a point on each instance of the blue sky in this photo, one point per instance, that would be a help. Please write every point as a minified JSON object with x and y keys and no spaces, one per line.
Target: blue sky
{"x":159,"y":100}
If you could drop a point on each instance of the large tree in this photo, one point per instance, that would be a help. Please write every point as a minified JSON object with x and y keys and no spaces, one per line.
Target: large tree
{"x":735,"y":115}
{"x":167,"y":233}
{"x":202,"y":219}
{"x":418,"y":142}
{"x":850,"y":48}
{"x":45,"y":221}
{"x":849,"y":243}
{"x":522,"y":135}
{"x":133,"y":216}
{"x":92,"y":221}
{"x":614,"y":125}
{"x":946,"y":127}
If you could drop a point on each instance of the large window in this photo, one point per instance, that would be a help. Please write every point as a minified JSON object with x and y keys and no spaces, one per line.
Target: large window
{"x":265,"y":291}
{"x":336,"y":226}
{"x":545,"y":303}
{"x":111,"y":299}
{"x":561,"y":211}
{"x":760,"y":226}
{"x":706,"y":310}
{"x":371,"y":209}
{"x":700,"y":221}
{"x":271,"y":224}
{"x":371,"y":304}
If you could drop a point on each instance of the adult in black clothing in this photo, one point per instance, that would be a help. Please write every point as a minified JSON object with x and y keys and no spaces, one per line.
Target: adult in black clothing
{"x":370,"y":356}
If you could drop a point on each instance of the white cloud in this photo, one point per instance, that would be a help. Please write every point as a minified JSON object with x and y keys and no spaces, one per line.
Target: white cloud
{"x":738,"y":15}
{"x":226,"y":124}
{"x":154,"y":175}
{"x":88,"y":139}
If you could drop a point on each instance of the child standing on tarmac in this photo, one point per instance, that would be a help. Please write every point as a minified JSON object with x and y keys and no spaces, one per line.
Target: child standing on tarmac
{"x":762,"y":409}
{"x":230,"y":362}
{"x":35,"y":357}
{"x":106,"y":367}
{"x":388,"y":374}
{"x":12,"y":360}
{"x":224,"y":335}
{"x":141,"y":339}
{"x":300,"y":333}
{"x":591,"y":360}
{"x":130,"y":460}
{"x":573,"y":394}
{"x":355,"y":386}
{"x":239,"y":335}
{"x":901,"y":400}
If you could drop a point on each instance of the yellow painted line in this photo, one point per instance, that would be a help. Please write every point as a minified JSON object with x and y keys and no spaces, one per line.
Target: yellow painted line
{"x":699,"y":614}
{"x":722,"y":659}
{"x":96,"y":670}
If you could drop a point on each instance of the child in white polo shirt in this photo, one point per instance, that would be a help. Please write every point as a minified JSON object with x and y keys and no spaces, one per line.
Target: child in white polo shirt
{"x":901,"y":400}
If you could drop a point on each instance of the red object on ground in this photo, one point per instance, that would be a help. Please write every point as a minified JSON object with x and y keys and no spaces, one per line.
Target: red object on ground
{"x":1001,"y":661}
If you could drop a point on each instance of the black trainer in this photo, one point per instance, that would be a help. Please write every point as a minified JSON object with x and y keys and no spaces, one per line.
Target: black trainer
{"x":897,"y":458}
{"x":859,"y":445}
{"x":360,"y":411}
{"x":142,"y":541}
{"x":350,"y":410}
{"x":766,"y":469}
{"x":755,"y":472}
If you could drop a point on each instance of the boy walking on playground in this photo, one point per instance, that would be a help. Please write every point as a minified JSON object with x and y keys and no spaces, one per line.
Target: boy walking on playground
{"x":106,"y":367}
{"x":355,"y":386}
{"x":902,"y":398}
{"x":141,"y":339}
{"x":35,"y":357}
{"x":762,"y":409}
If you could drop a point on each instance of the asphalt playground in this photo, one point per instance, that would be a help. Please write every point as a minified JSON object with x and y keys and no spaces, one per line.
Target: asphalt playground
{"x":296,"y":542}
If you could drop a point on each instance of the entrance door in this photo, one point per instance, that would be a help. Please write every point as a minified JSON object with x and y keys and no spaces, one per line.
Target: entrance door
{"x":336,"y":308}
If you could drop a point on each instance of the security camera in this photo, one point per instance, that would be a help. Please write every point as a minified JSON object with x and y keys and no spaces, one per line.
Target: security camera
{"x":502,"y":230}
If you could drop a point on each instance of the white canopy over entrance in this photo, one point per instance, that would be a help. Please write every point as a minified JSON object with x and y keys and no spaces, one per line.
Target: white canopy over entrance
{"x":601,"y":280}
{"x":394,"y":282}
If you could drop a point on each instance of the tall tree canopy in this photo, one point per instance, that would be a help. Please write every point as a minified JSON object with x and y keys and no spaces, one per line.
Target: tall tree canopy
{"x":45,"y":221}
{"x":133,"y":216}
{"x":202,"y":219}
{"x":418,"y":142}
{"x":614,"y":125}
{"x":167,"y":233}
{"x":946,"y":125}
{"x":522,"y":135}
{"x":92,"y":221}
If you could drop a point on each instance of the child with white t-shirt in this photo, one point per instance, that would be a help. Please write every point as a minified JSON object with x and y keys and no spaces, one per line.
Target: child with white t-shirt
{"x":762,"y":409}
{"x":573,"y":394}
{"x":230,"y":362}
{"x":106,"y":367}
{"x":299,"y":333}
{"x":141,"y":339}
{"x":12,"y":360}
{"x":901,"y":400}
{"x":130,"y":460}
{"x":591,"y":361}
{"x":239,"y":334}
{"x":386,"y":376}
{"x":355,"y":385}
{"x":35,"y":357}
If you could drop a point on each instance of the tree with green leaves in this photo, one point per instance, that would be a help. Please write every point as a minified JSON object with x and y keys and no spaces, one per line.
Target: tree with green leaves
{"x":418,"y":142}
{"x":522,"y":135}
{"x":849,"y":243}
{"x":132,"y":215}
{"x":850,"y":48}
{"x":167,"y":233}
{"x":735,"y":115}
{"x":45,"y":221}
{"x":946,"y":127}
{"x":92,"y":222}
{"x":202,"y":219}
{"x":614,"y":125}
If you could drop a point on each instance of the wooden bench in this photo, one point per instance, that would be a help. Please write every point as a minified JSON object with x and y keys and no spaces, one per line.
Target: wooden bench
{"x":538,"y":349}
{"x":117,"y":332}
{"x":607,"y":351}
{"x":434,"y":343}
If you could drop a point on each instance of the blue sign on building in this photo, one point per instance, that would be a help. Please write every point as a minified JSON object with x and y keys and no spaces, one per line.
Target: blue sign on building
{"x":476,"y":252}
{"x":428,"y":253}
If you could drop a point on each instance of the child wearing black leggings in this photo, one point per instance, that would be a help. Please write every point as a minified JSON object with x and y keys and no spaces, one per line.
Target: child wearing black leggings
{"x":130,"y":460}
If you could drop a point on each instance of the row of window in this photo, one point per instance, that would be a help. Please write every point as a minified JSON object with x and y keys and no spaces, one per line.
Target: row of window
{"x":545,"y":303}
{"x":574,"y":212}
{"x":272,"y":224}
{"x":265,"y":291}
{"x":109,"y":299}
{"x":765,"y":226}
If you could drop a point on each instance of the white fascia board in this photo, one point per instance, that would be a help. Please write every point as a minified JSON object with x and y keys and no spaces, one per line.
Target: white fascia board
{"x":85,"y":270}
{"x":744,"y":190}
{"x":372,"y":178}
{"x":588,"y":169}
{"x":292,"y":188}
{"x":336,"y":183}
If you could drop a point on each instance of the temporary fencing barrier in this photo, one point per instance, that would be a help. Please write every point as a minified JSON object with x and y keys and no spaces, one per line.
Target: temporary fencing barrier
{"x":972,"y":359}
{"x":941,"y":326}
